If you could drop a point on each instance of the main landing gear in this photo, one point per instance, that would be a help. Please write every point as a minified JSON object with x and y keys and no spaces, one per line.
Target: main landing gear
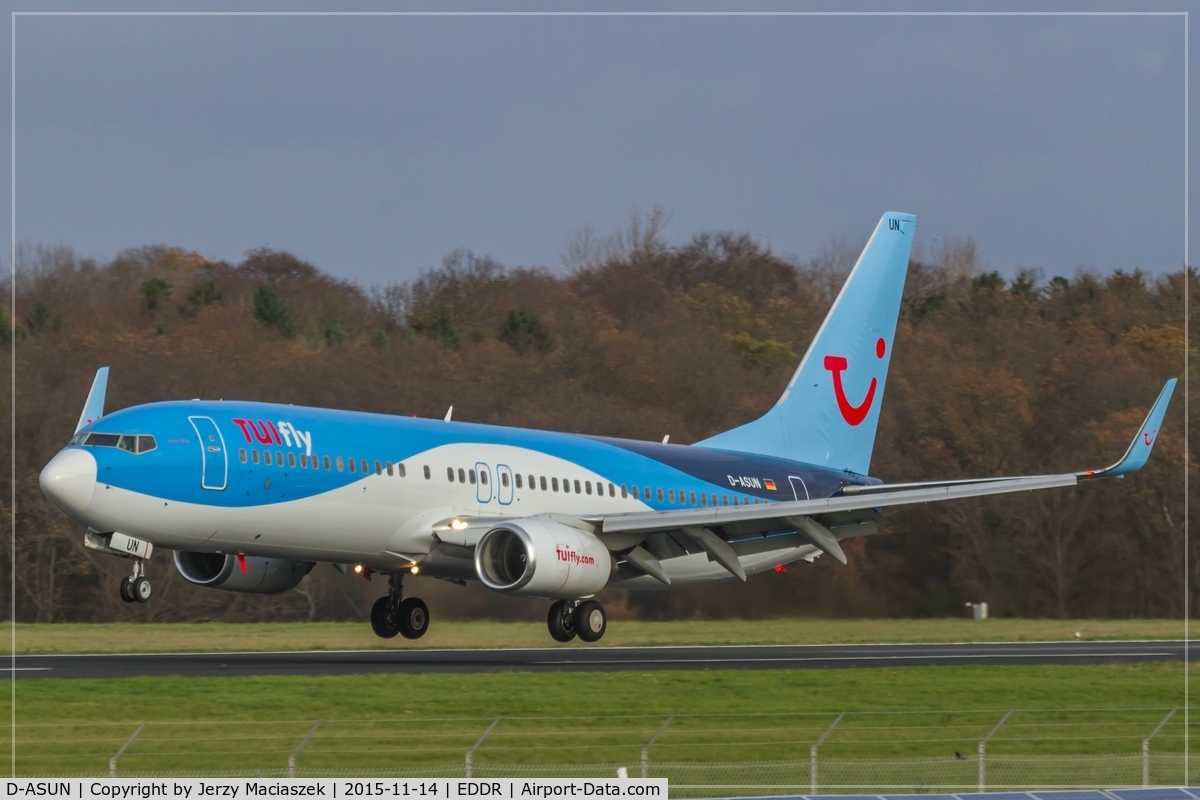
{"x":136,"y":588}
{"x":571,"y":618}
{"x":391,"y":614}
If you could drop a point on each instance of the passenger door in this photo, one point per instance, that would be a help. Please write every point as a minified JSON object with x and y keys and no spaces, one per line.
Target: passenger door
{"x":483,"y":484}
{"x":214,"y":465}
{"x":504,"y":491}
{"x":798,"y":487}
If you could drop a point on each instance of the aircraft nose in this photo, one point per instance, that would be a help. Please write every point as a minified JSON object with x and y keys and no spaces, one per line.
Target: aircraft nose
{"x":69,"y":480}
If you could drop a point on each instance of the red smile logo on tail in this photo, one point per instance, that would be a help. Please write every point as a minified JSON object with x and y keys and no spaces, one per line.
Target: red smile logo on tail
{"x":853,"y":414}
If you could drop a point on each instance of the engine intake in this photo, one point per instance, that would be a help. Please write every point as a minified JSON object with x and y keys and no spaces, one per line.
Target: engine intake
{"x":262,"y":575}
{"x":540,"y":558}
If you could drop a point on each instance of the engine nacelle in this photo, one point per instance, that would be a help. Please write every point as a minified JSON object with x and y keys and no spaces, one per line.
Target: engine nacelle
{"x":262,"y":575}
{"x":540,"y":558}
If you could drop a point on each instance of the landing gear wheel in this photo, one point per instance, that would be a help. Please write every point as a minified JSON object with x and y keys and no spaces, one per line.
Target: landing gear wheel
{"x":126,"y":592}
{"x":139,"y":588}
{"x":561,"y":621}
{"x":590,"y":621}
{"x":383,"y":619}
{"x":413,"y":618}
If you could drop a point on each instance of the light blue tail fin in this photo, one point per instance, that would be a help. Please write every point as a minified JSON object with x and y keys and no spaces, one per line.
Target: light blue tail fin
{"x":828,"y":414}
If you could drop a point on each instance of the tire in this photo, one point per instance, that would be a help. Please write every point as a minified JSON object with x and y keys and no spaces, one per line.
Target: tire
{"x":561,"y":622}
{"x":140,"y":589}
{"x":383,"y":622}
{"x":413,"y":618}
{"x":590,"y":621}
{"x":126,"y":592}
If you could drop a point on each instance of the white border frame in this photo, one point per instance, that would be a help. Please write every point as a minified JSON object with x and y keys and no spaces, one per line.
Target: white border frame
{"x":13,"y":233}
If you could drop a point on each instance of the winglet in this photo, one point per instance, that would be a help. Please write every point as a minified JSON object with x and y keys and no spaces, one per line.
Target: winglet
{"x":1140,"y":448}
{"x":93,"y":409}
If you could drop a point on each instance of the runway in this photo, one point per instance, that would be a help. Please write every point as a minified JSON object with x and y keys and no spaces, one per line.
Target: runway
{"x":593,"y":659}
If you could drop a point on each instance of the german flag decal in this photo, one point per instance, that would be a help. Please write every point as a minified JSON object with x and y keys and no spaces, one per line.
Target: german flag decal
{"x":770,"y":484}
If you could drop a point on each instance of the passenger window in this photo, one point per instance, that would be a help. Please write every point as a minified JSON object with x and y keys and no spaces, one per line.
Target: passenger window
{"x":692,"y":497}
{"x":242,"y":455}
{"x":671,"y":495}
{"x":279,"y":457}
{"x":646,"y":493}
{"x":353,"y":464}
{"x":254,"y":456}
{"x":724,"y":499}
{"x":553,"y":483}
{"x":379,"y":468}
{"x":659,"y":494}
{"x":325,"y":463}
{"x":471,"y":476}
{"x":462,"y":476}
{"x":542,"y":482}
{"x":341,"y":464}
{"x":703,"y":499}
{"x":427,"y":472}
{"x":588,"y":486}
{"x":483,"y":477}
{"x":576,"y":487}
{"x":504,"y":479}
{"x":291,"y":459}
{"x":518,"y":478}
{"x":365,"y":467}
{"x":624,"y":492}
{"x":714,"y":501}
{"x":403,"y":471}
{"x":450,"y":474}
{"x":389,"y":468}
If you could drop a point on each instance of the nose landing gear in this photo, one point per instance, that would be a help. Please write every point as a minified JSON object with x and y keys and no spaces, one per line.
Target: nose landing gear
{"x":136,"y":588}
{"x":571,"y":618}
{"x":391,"y":614}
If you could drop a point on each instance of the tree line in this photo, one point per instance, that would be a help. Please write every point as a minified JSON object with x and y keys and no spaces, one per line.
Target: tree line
{"x":641,"y":338}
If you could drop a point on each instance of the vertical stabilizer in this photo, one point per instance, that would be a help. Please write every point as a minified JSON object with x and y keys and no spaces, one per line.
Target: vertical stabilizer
{"x":829,"y":412}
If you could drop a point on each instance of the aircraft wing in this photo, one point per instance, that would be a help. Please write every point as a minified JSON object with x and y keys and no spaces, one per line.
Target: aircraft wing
{"x":798,"y":515}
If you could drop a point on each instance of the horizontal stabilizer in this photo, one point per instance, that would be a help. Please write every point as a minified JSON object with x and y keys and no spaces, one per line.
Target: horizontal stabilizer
{"x":93,"y":409}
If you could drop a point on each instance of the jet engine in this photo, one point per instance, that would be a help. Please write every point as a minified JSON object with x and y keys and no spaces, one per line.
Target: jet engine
{"x":260,"y":576}
{"x":541,"y":558}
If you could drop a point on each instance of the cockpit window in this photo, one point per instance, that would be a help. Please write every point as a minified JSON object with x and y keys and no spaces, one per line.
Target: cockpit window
{"x":134,"y":443}
{"x":102,"y":440}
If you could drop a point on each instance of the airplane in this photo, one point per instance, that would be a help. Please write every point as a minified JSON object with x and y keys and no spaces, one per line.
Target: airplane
{"x":251,"y":496}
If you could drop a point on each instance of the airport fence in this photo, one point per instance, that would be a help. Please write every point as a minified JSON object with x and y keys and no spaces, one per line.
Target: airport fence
{"x":702,"y":755}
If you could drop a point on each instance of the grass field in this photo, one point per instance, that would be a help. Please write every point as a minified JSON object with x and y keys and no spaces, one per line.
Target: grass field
{"x":215,"y":636}
{"x":422,"y":722}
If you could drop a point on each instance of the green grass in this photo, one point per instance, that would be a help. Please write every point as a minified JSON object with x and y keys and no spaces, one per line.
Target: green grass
{"x":126,"y":637}
{"x":427,"y":722}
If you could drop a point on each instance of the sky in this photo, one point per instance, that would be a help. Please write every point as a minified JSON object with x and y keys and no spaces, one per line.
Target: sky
{"x":374,"y":146}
